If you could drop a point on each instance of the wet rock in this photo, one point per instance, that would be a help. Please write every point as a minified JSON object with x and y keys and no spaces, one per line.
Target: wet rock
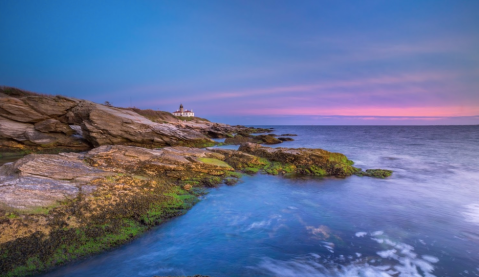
{"x":267,"y":139}
{"x":285,"y":139}
{"x":376,"y":173}
{"x":238,"y":139}
{"x":239,"y":160}
{"x":261,"y":139}
{"x":288,"y":135}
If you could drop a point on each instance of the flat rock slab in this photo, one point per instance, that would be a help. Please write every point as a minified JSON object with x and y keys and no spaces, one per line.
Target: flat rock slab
{"x":121,"y":158}
{"x":31,"y":192}
{"x":40,"y":180}
{"x":59,"y":167}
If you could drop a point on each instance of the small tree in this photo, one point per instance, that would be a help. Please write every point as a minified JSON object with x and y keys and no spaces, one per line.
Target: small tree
{"x":107,"y":103}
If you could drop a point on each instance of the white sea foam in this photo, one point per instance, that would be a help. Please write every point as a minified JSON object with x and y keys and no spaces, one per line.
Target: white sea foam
{"x":156,"y":271}
{"x":329,"y":246}
{"x":403,"y":263}
{"x":391,"y":253}
{"x":430,"y":259}
{"x":361,"y":234}
{"x":471,"y":213}
{"x":258,"y":225}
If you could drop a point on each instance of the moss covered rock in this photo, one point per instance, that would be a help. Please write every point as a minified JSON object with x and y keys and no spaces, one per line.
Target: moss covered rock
{"x":376,"y":173}
{"x":302,"y":160}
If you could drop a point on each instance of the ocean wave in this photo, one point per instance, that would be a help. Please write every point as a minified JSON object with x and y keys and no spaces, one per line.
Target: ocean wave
{"x":397,"y":259}
{"x":471,"y":213}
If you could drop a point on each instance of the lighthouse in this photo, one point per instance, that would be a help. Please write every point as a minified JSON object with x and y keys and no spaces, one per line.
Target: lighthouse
{"x":183,"y":112}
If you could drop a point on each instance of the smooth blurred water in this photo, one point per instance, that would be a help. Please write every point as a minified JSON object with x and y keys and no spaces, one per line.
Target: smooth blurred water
{"x":422,"y":221}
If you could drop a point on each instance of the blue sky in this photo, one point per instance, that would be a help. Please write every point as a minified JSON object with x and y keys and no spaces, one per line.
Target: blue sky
{"x":253,"y":62}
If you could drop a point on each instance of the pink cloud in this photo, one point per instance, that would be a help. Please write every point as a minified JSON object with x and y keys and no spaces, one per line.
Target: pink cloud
{"x":447,"y":111}
{"x":366,"y":84}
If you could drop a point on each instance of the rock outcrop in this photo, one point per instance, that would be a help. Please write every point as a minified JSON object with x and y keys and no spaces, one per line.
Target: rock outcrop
{"x":177,"y":162}
{"x":376,"y":173}
{"x":102,"y":197}
{"x":261,"y":139}
{"x":29,"y":120}
{"x":302,"y":160}
{"x":103,"y":125}
{"x":38,"y":180}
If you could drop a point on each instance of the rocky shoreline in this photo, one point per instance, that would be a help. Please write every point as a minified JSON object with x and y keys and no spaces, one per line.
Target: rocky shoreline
{"x":136,"y":171}
{"x":34,"y":122}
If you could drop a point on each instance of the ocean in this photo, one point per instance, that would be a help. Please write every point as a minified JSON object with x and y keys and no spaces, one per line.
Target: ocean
{"x":422,"y":221}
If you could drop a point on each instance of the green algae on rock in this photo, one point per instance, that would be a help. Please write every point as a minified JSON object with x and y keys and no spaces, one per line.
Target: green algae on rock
{"x":305,"y":161}
{"x":376,"y":173}
{"x":87,"y":203}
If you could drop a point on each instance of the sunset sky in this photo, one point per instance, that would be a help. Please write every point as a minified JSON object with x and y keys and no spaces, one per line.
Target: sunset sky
{"x":253,"y":62}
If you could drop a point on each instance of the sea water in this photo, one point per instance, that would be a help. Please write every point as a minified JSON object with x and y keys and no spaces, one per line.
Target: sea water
{"x":422,"y":221}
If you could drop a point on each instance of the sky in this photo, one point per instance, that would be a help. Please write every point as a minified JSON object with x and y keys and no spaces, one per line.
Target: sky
{"x":253,"y":62}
